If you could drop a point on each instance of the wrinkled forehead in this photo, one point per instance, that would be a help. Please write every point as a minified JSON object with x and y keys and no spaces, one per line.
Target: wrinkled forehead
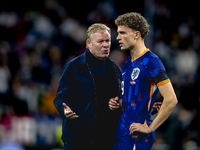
{"x":101,"y":34}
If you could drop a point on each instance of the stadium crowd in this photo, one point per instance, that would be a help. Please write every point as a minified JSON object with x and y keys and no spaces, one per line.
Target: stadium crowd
{"x":38,"y":37}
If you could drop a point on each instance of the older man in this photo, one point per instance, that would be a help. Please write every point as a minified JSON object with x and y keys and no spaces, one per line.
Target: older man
{"x":87,"y":83}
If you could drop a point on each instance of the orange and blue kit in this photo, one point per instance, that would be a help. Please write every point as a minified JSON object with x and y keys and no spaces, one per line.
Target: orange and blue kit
{"x":140,"y":81}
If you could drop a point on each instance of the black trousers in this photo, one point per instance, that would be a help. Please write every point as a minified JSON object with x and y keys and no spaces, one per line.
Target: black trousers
{"x":86,"y":146}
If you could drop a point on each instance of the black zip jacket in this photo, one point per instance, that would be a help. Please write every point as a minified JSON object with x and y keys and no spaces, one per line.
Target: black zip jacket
{"x":77,"y":88}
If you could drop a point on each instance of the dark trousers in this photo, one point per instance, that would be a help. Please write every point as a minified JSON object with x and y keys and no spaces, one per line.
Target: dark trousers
{"x":86,"y":146}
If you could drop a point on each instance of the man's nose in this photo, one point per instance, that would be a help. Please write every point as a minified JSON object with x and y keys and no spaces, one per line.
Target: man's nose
{"x":118,"y":37}
{"x":106,"y":44}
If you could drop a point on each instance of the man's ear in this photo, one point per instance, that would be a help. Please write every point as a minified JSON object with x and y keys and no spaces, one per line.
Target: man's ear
{"x":88,"y":43}
{"x":137,"y":34}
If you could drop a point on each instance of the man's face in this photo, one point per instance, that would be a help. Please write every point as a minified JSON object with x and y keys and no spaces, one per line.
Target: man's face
{"x":126,"y":37}
{"x":99,"y":45}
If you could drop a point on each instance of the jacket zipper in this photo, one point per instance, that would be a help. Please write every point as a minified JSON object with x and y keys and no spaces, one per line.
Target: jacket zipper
{"x":95,"y":93}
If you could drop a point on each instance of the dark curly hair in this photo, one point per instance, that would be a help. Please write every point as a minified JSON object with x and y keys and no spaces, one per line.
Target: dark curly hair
{"x":134,"y":21}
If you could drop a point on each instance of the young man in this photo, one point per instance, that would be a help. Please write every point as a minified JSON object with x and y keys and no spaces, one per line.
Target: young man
{"x":87,"y":83}
{"x":143,"y":76}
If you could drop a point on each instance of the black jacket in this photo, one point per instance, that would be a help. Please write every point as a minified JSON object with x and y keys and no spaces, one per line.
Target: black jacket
{"x":77,"y":89}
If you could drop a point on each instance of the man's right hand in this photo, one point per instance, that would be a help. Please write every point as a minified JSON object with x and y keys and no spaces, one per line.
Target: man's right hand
{"x":114,"y":103}
{"x":69,"y":113}
{"x":156,"y":108}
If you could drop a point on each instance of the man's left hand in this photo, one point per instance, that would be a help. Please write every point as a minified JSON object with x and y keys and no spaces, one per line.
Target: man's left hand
{"x":138,"y":127}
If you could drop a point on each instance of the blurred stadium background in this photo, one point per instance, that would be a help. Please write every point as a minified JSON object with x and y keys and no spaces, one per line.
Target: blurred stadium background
{"x":38,"y":37}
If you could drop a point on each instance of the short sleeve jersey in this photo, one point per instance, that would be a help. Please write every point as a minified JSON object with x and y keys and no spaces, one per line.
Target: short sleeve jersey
{"x":140,"y":81}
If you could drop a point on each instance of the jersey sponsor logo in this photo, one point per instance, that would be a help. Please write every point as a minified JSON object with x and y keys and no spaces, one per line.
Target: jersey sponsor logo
{"x":135,"y":73}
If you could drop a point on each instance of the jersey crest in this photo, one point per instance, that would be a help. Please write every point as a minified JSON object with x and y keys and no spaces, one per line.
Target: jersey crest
{"x":135,"y":73}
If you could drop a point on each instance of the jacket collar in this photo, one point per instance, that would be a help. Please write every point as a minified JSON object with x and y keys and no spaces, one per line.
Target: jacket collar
{"x":83,"y":58}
